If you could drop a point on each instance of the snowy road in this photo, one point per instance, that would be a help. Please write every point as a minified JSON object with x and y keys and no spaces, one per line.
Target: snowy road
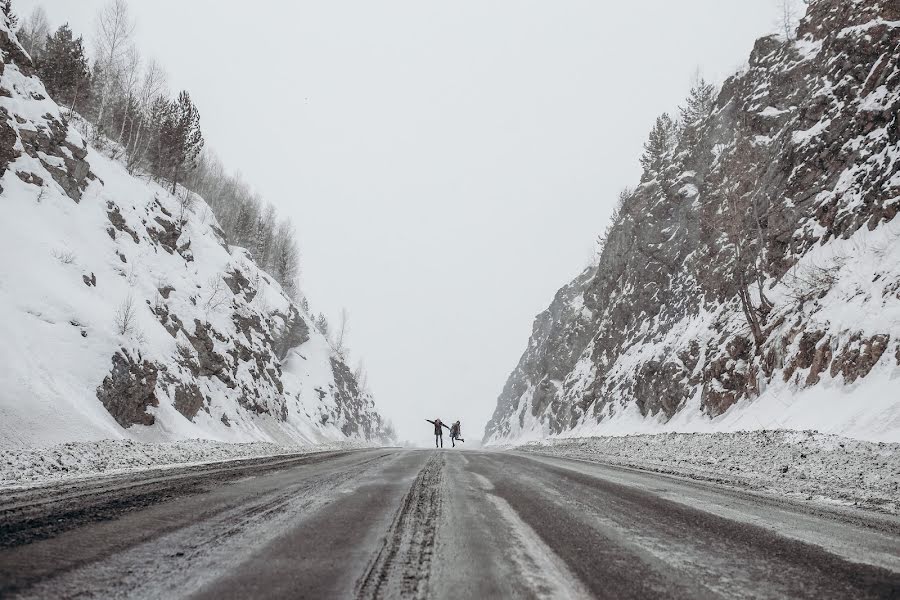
{"x":419,"y":523}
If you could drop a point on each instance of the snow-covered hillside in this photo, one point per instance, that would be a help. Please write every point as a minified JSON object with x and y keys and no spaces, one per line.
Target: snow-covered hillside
{"x":124,"y":314}
{"x":752,"y":279}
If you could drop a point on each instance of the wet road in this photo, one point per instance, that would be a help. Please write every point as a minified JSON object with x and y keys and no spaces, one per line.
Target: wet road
{"x":393,"y":523}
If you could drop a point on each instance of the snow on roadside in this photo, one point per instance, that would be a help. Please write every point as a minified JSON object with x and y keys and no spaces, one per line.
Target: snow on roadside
{"x":27,"y":467}
{"x":804,"y":465}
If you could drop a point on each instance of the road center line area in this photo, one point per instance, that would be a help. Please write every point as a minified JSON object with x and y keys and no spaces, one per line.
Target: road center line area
{"x":399,"y":523}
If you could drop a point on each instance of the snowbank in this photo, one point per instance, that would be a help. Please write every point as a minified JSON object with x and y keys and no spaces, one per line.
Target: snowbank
{"x":803,"y":465}
{"x":74,"y":460}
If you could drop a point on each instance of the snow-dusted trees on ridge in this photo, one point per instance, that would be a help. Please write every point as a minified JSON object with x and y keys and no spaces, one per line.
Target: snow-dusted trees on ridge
{"x":667,"y":133}
{"x":126,"y":100}
{"x":247,"y":221}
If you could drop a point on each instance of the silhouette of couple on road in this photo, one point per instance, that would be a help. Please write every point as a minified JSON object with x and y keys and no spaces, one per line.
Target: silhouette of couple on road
{"x":455,"y":432}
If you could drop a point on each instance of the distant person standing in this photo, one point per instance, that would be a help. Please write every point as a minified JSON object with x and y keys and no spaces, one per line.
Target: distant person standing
{"x":456,"y":433}
{"x":438,"y":432}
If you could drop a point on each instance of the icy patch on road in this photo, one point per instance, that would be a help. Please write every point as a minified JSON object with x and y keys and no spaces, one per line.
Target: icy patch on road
{"x":35,"y":466}
{"x":543,"y":571}
{"x":801,"y":464}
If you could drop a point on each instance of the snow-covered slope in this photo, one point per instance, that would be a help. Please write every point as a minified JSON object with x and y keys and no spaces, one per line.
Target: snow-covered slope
{"x":125,"y":315}
{"x":777,"y":208}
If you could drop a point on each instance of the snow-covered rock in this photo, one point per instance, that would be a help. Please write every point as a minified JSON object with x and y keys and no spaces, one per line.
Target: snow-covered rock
{"x":778,"y":208}
{"x":125,"y":315}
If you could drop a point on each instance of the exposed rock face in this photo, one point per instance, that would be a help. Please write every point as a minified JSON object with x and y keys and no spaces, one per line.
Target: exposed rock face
{"x":713,"y":285}
{"x":129,"y":389}
{"x":46,"y":140}
{"x":295,"y":332}
{"x":353,"y":403}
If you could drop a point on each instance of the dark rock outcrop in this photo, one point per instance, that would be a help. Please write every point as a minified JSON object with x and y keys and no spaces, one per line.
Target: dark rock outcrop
{"x":188,"y":400}
{"x":129,"y":389}
{"x":295,"y":332}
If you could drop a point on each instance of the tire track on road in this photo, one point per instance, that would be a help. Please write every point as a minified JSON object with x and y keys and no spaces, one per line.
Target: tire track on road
{"x":402,"y":566}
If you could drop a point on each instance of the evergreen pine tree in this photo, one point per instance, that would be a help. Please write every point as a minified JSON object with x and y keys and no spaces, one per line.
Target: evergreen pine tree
{"x":63,"y":68}
{"x":322,"y":324}
{"x":698,"y":107}
{"x":699,"y":103}
{"x":663,"y":138}
{"x":157,"y":122}
{"x":183,"y":137}
{"x":178,"y":139}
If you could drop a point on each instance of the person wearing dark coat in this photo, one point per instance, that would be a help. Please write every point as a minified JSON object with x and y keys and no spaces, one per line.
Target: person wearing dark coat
{"x":456,"y":433}
{"x":438,"y":431}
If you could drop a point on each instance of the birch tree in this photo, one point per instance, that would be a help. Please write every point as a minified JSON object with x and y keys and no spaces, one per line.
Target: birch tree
{"x":152,"y":88}
{"x":128,"y":82}
{"x":34,"y":32}
{"x":112,"y":40}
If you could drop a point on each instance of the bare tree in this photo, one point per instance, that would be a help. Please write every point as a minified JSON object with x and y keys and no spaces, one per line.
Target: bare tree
{"x":339,"y":339}
{"x":744,"y":264}
{"x":217,"y":294}
{"x":125,"y":316}
{"x":186,"y":202}
{"x":361,"y":376}
{"x":789,"y":18}
{"x":112,"y":40}
{"x":34,"y":32}
{"x":128,"y":82}
{"x":152,"y":87}
{"x":286,"y":258}
{"x":812,"y":280}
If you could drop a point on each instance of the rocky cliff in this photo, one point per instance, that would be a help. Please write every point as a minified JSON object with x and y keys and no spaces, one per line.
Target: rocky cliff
{"x":125,"y":314}
{"x":752,"y":279}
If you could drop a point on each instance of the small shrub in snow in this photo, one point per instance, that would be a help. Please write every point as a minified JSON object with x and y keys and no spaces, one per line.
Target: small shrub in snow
{"x":65,"y":257}
{"x":185,"y":205}
{"x":218,"y":294}
{"x":126,"y":316}
{"x":812,"y":281}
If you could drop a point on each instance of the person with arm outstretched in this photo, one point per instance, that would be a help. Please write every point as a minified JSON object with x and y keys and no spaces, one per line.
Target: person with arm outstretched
{"x":438,"y":431}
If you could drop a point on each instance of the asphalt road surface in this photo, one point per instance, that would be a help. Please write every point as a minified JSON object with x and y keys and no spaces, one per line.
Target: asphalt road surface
{"x":393,"y":523}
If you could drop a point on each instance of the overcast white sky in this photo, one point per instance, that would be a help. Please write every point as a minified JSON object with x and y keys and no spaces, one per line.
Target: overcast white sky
{"x":447,"y":164}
